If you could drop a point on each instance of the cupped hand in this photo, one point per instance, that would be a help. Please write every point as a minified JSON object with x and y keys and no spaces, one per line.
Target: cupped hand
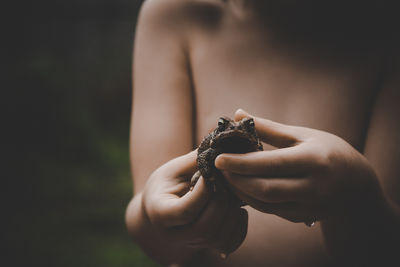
{"x":197,"y":218}
{"x":312,"y":175}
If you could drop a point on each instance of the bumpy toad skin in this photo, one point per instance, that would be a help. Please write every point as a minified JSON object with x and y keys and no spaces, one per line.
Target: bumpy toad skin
{"x":228,"y":137}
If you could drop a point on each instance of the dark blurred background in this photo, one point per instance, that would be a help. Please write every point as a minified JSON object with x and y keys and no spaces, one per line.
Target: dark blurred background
{"x":67,"y":94}
{"x":66,"y":90}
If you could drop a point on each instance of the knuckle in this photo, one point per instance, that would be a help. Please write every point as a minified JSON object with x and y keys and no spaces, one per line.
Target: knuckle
{"x":168,"y":215}
{"x":270,"y":191}
{"x":322,"y":160}
{"x":265,"y":189}
{"x":155,"y":214}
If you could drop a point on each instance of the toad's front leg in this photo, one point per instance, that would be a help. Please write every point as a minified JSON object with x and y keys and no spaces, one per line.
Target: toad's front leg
{"x":205,"y":163}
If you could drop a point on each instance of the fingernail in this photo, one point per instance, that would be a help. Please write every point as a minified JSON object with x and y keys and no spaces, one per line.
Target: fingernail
{"x":219,"y":162}
{"x":242,"y":111}
{"x":223,"y":256}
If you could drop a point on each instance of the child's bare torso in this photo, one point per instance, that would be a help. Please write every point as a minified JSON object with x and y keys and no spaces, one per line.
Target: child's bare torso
{"x":236,"y":63}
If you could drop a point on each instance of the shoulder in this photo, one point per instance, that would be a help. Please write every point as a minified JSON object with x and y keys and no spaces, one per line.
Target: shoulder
{"x":180,"y":15}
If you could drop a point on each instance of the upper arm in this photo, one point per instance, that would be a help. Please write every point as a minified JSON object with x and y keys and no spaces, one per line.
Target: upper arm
{"x":383,"y":139}
{"x":162,"y":110}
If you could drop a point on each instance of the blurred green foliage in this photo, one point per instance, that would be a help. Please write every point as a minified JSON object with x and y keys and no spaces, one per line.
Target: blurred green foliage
{"x":68,"y":184}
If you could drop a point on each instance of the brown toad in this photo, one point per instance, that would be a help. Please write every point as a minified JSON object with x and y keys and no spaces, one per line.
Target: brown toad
{"x":228,"y":137}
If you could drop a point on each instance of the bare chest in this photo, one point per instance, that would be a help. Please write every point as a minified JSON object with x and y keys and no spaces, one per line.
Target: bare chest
{"x":333,"y":92}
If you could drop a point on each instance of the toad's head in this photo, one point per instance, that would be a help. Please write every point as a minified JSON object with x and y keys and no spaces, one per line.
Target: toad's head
{"x":236,"y":137}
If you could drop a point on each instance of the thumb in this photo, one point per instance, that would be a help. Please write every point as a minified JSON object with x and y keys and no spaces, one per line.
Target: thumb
{"x":186,"y":209}
{"x":240,"y":114}
{"x":273,"y":133}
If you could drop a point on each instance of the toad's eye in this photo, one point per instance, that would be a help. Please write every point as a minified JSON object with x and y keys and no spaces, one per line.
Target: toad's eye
{"x":250,"y":124}
{"x":222,"y":123}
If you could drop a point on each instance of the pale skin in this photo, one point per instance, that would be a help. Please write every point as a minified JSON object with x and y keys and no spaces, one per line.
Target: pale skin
{"x":329,"y":126}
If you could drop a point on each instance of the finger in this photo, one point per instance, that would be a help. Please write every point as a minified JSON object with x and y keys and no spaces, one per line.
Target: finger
{"x":182,"y":166}
{"x":207,"y":224}
{"x":291,"y":211}
{"x":271,"y":189}
{"x":174,"y":211}
{"x":274,"y":133}
{"x":266,"y":207}
{"x":296,"y":212}
{"x":254,"y":203}
{"x":275,"y":163}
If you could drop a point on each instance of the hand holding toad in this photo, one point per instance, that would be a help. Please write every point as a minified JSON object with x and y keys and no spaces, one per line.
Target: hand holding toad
{"x":312,"y":175}
{"x":191,"y":220}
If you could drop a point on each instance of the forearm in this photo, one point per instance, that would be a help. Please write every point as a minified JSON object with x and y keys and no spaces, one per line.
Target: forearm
{"x":151,"y":239}
{"x":368,"y":236}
